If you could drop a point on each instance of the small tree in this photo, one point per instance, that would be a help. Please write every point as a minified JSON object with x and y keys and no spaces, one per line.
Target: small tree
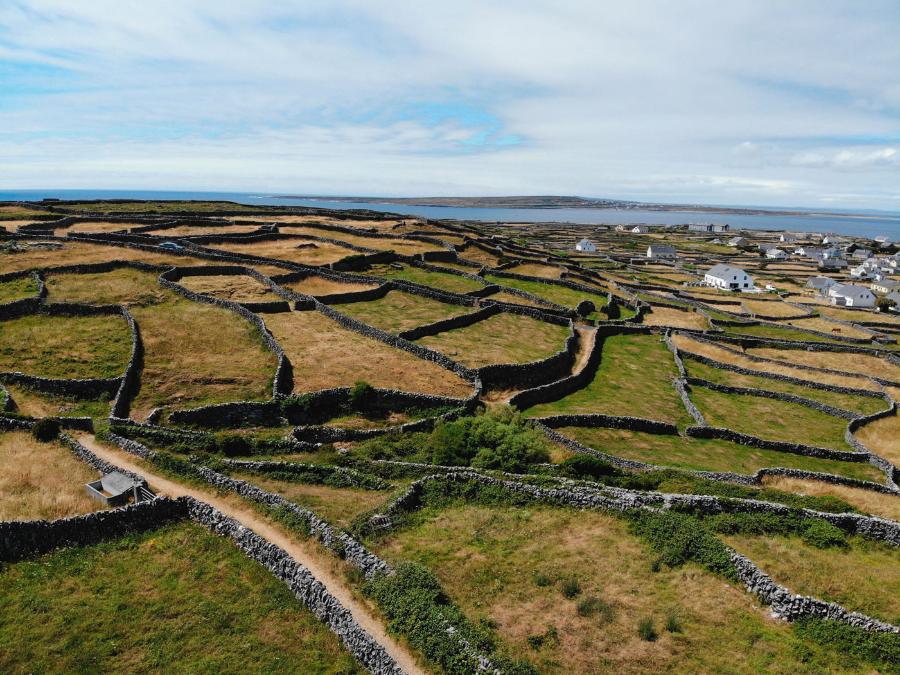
{"x":45,"y":430}
{"x":362,"y":395}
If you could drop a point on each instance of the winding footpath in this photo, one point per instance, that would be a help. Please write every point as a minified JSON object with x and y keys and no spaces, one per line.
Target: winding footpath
{"x":250,"y":519}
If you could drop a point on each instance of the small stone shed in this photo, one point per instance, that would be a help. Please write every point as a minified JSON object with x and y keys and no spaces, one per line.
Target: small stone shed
{"x":115,"y":489}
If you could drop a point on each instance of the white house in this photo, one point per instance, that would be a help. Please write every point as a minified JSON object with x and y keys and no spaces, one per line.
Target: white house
{"x":787,"y":238}
{"x":640,"y":229}
{"x":849,"y":295}
{"x":661,"y":252}
{"x":895,"y":296}
{"x":776,"y":254}
{"x":861,"y":272}
{"x":885,"y":286}
{"x":820,"y":284}
{"x":861,"y":254}
{"x":586,"y":246}
{"x":832,"y":264}
{"x":728,"y":277}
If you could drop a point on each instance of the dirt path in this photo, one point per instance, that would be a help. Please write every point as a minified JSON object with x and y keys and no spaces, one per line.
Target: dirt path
{"x":246,"y":516}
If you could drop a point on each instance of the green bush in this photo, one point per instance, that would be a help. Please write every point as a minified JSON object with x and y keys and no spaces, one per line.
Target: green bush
{"x":646,"y":630}
{"x":362,"y":396}
{"x":594,"y":606}
{"x":233,"y":445}
{"x":45,"y":430}
{"x":882,"y":650}
{"x":673,"y":625}
{"x":416,"y":607}
{"x":588,"y":466}
{"x":499,"y":439}
{"x":541,"y":579}
{"x":813,"y":531}
{"x":822,"y":534}
{"x":571,"y":588}
{"x":679,"y":538}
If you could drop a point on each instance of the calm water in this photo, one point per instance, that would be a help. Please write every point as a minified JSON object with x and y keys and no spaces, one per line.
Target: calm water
{"x":867,"y":224}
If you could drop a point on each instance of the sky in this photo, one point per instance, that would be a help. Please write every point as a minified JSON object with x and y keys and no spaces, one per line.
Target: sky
{"x":751,"y":102}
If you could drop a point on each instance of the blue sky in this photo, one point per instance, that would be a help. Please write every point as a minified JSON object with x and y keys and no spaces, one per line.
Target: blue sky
{"x":745,"y":102}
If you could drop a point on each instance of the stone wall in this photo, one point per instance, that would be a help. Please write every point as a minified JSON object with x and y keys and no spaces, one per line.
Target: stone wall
{"x":780,"y":446}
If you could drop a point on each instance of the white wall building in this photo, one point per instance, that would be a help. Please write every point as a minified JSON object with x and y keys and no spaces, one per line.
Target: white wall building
{"x":728,"y":277}
{"x":849,"y":295}
{"x":661,"y":252}
{"x":586,"y":246}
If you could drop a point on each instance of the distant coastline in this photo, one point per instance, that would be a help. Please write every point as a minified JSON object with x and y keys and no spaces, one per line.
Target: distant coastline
{"x":566,"y":202}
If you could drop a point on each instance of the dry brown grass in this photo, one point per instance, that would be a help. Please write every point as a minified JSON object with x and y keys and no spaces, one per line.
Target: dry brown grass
{"x":326,"y":355}
{"x":668,"y":316}
{"x":478,"y":255}
{"x":825,"y":326}
{"x":770,"y":308}
{"x":867,"y":501}
{"x":73,"y":252}
{"x":486,"y":559}
{"x":188,"y":230}
{"x":359,"y":224}
{"x":504,"y":296}
{"x":337,"y":505}
{"x":196,"y":354}
{"x":859,"y":315}
{"x":286,"y":249}
{"x":714,"y":352}
{"x":95,"y":226}
{"x":124,"y":285}
{"x":502,"y":338}
{"x":853,"y":363}
{"x":537,"y":270}
{"x":402,"y":246}
{"x":856,"y":577}
{"x":882,"y":437}
{"x":41,"y":480}
{"x":318,"y":286}
{"x":234,"y":287}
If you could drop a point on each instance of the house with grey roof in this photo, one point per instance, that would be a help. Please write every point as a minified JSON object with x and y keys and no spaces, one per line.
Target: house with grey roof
{"x":661,"y":252}
{"x":728,"y":277}
{"x":849,"y":295}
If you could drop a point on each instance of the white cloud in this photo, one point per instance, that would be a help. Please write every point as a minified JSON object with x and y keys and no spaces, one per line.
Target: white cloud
{"x":694,"y":100}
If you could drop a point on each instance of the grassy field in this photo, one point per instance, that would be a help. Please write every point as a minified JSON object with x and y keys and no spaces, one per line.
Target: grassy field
{"x":89,"y":226}
{"x":709,"y":455}
{"x":770,"y":308}
{"x":318,"y":286}
{"x":41,"y":480}
{"x":502,"y":338}
{"x":536,"y":270}
{"x":16,"y":212}
{"x":882,"y":437}
{"x":65,"y":347}
{"x":401,"y":246}
{"x":864,"y":405}
{"x":770,"y":419}
{"x":36,"y":404}
{"x":827,"y":326}
{"x":777,"y":333}
{"x":480,"y":256}
{"x":336,"y":505}
{"x":184,"y":344}
{"x":676,"y":318}
{"x":440,"y":280}
{"x":188,"y":230}
{"x":508,"y":566}
{"x":634,"y":378}
{"x":122,"y":286}
{"x":855,"y":576}
{"x":197,"y":605}
{"x":309,"y":253}
{"x":77,"y":252}
{"x":561,"y":295}
{"x":326,"y":355}
{"x":398,"y":311}
{"x":852,"y":363}
{"x":17,"y":289}
{"x":505,"y":296}
{"x":876,"y":503}
{"x":725,"y":356}
{"x":234,"y":287}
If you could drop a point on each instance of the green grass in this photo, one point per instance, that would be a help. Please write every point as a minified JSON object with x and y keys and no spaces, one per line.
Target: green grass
{"x":65,"y":347}
{"x":634,"y":378}
{"x":699,"y":454}
{"x":398,"y":311}
{"x":864,"y":405}
{"x":502,"y":338}
{"x":506,"y":566}
{"x":440,"y":280}
{"x":770,"y":418}
{"x":17,"y":289}
{"x":561,"y":295}
{"x":175,"y":600}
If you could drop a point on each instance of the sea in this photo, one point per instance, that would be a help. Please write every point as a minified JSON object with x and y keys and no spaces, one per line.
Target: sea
{"x":868,"y":223}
